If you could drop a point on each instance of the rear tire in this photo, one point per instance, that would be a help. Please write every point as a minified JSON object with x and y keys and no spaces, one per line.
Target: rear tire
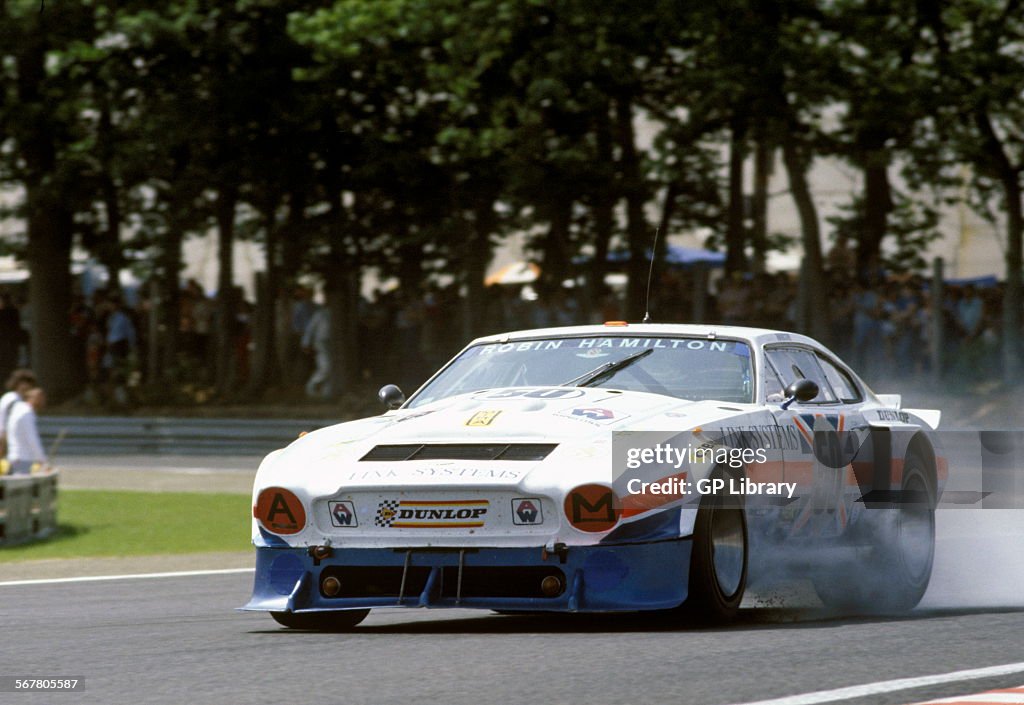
{"x":339,"y":621}
{"x":895,"y":575}
{"x":718,"y":562}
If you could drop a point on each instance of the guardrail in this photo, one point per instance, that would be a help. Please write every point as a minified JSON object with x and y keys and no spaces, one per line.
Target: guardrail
{"x":28,"y":507}
{"x":129,"y":435}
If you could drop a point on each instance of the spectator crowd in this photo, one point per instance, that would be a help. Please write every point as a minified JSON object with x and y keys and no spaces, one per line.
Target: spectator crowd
{"x":882,"y":329}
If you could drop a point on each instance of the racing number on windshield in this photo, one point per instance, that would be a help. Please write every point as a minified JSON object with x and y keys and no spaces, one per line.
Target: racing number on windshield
{"x":534,"y":394}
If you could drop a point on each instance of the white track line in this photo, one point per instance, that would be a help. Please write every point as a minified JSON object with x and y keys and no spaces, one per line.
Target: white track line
{"x":137,"y":576}
{"x":860,"y":691}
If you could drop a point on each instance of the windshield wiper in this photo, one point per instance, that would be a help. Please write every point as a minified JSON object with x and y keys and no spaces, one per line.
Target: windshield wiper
{"x":606,"y":370}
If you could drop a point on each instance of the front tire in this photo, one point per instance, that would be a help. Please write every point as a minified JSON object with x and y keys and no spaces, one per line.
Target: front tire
{"x":718,"y":562}
{"x":339,"y":621}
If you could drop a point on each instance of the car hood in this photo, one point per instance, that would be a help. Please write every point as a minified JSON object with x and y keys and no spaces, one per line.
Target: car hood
{"x":577,"y":424}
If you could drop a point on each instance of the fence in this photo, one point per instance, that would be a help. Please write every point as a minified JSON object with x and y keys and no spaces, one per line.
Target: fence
{"x":28,"y":507}
{"x":128,"y":435}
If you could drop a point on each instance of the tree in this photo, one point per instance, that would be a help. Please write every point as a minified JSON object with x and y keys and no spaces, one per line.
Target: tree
{"x":980,"y":71}
{"x":42,"y":121}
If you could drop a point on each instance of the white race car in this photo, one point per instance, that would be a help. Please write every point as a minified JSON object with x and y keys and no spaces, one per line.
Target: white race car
{"x":605,"y":468}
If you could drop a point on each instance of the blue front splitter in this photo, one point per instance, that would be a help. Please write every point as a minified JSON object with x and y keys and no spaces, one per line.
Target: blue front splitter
{"x":636,"y":576}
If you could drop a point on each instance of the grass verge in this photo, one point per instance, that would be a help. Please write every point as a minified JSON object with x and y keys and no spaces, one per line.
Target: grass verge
{"x":116,"y":523}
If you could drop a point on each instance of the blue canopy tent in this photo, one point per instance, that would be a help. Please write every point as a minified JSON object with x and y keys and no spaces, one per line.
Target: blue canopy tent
{"x":676,"y":255}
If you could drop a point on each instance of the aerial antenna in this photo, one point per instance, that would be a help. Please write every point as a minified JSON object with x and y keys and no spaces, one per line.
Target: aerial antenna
{"x":650,"y":274}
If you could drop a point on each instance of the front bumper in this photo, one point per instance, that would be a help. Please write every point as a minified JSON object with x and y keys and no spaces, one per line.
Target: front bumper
{"x":638,"y":576}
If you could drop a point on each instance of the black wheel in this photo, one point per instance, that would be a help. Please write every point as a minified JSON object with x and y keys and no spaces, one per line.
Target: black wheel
{"x":718,"y":562}
{"x":895,"y":574}
{"x":339,"y":621}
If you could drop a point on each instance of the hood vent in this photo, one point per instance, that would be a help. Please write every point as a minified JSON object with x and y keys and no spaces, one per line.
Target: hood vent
{"x":461,"y":451}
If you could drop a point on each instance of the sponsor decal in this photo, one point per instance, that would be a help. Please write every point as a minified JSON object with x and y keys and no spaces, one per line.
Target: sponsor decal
{"x":890,"y":415}
{"x":414,"y":415}
{"x":343,"y":514}
{"x":594,"y":413}
{"x":591,"y":354}
{"x":482,"y":418}
{"x":592,"y":508}
{"x":280,"y":511}
{"x":664,"y":343}
{"x":415,"y":514}
{"x":408,"y":473}
{"x":525,"y":346}
{"x":759,"y":436}
{"x":526,"y":511}
{"x":595,"y":344}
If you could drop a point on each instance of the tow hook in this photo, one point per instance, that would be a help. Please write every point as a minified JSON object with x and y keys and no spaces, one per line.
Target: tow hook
{"x":558,"y":549}
{"x":320,"y":553}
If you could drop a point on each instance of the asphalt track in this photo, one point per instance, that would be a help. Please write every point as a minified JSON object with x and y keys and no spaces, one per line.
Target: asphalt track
{"x":177,"y":639}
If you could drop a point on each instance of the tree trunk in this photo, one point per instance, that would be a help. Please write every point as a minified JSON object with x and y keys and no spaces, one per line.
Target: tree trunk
{"x":170,"y":260}
{"x":877,"y":206}
{"x":226,"y":303}
{"x":759,"y":231}
{"x":556,"y":245}
{"x":477,"y":257}
{"x":342,"y":295}
{"x":50,"y":227}
{"x":815,"y":317}
{"x":636,"y":222}
{"x":347,"y":345}
{"x":735,"y":235}
{"x":1012,"y":295}
{"x":49,"y":292}
{"x":265,"y":359}
{"x":604,"y":218}
{"x":109,"y":250}
{"x":1008,"y":173}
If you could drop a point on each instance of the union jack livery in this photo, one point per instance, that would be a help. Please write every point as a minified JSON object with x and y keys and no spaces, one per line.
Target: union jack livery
{"x":605,"y":468}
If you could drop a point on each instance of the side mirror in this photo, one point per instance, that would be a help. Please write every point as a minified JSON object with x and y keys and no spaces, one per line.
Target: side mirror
{"x":392,"y":397}
{"x":801,"y":390}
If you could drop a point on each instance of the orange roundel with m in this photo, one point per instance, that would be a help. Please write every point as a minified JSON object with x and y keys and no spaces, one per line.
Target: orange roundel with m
{"x":592,"y":508}
{"x":280,"y":511}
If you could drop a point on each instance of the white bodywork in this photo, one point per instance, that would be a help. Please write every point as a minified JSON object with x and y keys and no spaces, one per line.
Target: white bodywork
{"x":325,"y":466}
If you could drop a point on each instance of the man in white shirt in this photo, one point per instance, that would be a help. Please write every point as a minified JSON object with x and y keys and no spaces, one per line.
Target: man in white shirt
{"x":24,"y":446}
{"x":18,"y":383}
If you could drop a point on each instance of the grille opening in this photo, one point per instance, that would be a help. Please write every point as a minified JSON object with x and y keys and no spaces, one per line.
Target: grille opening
{"x":377,"y":581}
{"x":477,"y":581}
{"x":460,"y":451}
{"x":497,"y":581}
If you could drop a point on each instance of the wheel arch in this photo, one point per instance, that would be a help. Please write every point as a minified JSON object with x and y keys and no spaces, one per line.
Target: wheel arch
{"x":922,"y":446}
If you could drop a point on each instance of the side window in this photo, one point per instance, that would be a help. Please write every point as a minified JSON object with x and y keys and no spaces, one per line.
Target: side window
{"x":774,"y":390}
{"x":841,"y":382}
{"x":796,"y":363}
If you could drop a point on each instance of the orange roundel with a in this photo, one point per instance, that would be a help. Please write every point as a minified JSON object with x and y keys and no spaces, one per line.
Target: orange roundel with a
{"x":592,"y":508}
{"x":280,"y":511}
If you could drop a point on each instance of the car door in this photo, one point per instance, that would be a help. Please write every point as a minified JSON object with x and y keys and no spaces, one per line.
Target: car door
{"x":816,"y":458}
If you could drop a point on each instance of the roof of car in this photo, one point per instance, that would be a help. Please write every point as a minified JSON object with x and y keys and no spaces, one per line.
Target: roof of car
{"x":619,"y":328}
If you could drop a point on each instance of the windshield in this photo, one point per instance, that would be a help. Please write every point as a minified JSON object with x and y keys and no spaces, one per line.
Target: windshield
{"x":686,"y":368}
